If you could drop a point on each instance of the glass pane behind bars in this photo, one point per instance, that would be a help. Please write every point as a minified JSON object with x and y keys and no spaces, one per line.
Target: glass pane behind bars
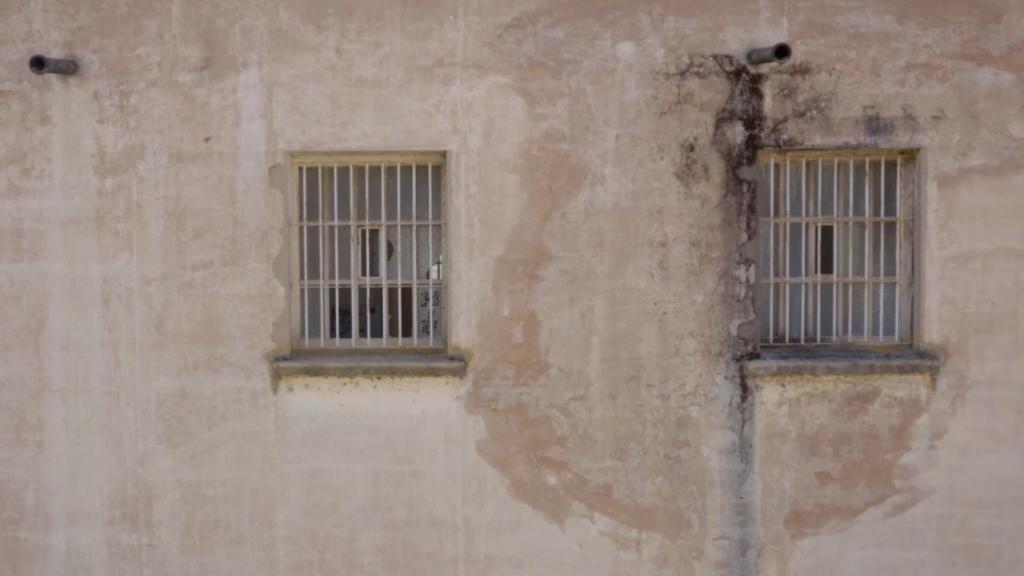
{"x":836,"y":247}
{"x":371,"y":255}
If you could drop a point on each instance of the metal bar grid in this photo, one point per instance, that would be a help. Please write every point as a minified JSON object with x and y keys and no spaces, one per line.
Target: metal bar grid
{"x":847,"y":258}
{"x":360,"y":274}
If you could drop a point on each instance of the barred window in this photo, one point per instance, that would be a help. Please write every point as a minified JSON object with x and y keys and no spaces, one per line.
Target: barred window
{"x":369,"y":250}
{"x":836,"y":246}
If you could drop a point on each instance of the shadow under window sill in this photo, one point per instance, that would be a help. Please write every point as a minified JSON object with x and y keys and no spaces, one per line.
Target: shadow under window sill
{"x":393,"y":364}
{"x":829,"y":361}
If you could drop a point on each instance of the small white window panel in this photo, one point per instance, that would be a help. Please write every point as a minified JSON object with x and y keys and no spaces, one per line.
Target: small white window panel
{"x":836,"y":235}
{"x":370,"y":246}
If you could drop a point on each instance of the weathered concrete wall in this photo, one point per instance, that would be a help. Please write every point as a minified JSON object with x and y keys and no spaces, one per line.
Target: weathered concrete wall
{"x":598,"y":217}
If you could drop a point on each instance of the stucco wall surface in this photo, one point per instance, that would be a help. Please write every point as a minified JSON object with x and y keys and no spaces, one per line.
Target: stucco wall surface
{"x":599,"y":221}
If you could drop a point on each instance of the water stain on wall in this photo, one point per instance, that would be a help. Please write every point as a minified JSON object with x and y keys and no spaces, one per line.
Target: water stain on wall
{"x":847,"y":446}
{"x":548,"y":450}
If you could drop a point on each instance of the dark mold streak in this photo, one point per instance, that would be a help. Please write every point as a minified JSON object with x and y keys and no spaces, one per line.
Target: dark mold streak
{"x":741,"y":130}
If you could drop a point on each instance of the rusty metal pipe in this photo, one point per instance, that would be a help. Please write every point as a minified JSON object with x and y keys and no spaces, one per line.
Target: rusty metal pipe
{"x":777,"y":53}
{"x":40,"y":64}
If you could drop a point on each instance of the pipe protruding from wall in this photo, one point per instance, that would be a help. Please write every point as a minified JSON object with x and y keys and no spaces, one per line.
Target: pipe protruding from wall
{"x":40,"y":64}
{"x":777,"y":53}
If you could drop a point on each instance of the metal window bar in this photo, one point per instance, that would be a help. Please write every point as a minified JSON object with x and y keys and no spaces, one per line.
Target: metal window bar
{"x":337,"y":264}
{"x":383,"y":256}
{"x":817,"y":244}
{"x":867,"y":243}
{"x":835,"y":251}
{"x":881,"y":251}
{"x":364,"y":246}
{"x":788,"y":247}
{"x":305,"y":261}
{"x":398,"y":235}
{"x":803,"y":248}
{"x":771,"y":250}
{"x":874,"y":218}
{"x":353,"y":258}
{"x":320,"y":239}
{"x":899,"y":232}
{"x":380,"y":319}
{"x":430,"y":250}
{"x":415,"y":266}
{"x":849,"y":262}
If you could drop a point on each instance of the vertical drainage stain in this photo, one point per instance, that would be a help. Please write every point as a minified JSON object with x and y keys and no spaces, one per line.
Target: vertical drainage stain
{"x":739,"y":128}
{"x":739,"y":133}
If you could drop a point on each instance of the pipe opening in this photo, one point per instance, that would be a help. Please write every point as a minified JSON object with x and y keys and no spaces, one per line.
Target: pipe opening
{"x":782,"y":51}
{"x":37,"y":64}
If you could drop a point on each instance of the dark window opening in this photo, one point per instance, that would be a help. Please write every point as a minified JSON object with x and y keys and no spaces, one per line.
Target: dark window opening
{"x":826,"y":249}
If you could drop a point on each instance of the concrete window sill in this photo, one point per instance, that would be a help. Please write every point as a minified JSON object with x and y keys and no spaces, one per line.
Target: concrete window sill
{"x":393,"y":364}
{"x":838,"y":362}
